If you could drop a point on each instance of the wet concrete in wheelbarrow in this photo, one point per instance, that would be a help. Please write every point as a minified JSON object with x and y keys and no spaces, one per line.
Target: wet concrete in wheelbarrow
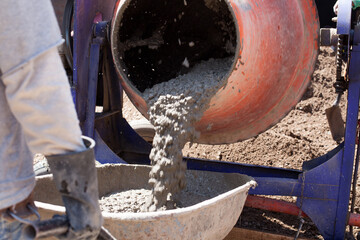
{"x":200,"y":186}
{"x":210,"y":206}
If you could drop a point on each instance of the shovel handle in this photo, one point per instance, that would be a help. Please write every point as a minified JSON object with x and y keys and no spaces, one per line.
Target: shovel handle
{"x":338,"y":99}
{"x":56,"y":226}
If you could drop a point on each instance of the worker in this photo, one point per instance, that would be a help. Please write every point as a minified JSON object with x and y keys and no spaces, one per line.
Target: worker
{"x":37,"y":115}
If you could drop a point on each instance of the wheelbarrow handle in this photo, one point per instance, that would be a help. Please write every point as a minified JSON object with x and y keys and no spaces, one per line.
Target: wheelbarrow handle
{"x":56,"y":226}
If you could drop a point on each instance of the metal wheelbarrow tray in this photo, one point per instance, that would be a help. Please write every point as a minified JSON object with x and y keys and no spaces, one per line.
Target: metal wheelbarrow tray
{"x":209,"y":219}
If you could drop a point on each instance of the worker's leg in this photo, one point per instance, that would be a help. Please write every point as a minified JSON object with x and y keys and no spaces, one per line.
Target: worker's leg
{"x":39,"y":110}
{"x":39,"y":97}
{"x":28,"y":28}
{"x":32,"y":87}
{"x":16,"y":175}
{"x":37,"y":113}
{"x":35,"y":83}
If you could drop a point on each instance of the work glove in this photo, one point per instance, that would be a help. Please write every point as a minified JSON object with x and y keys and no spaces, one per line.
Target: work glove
{"x":76,"y":179}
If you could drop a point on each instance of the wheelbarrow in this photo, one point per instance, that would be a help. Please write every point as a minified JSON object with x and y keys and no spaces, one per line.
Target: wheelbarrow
{"x":222,"y":197}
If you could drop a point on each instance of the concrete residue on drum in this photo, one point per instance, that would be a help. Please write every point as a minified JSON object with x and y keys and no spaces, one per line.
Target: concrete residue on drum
{"x":174,"y":108}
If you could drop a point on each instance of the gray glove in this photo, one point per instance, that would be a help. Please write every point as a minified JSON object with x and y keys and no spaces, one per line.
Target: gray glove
{"x":76,"y":179}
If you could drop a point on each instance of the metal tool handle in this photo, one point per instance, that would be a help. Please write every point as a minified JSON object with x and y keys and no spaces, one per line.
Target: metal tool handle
{"x":52,"y":227}
{"x":56,"y":226}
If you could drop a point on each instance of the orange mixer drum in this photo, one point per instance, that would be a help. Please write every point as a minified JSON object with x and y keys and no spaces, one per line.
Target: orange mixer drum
{"x":274,"y":44}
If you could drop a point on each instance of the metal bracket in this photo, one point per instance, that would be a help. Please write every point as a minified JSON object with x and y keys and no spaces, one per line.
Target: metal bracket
{"x":344,"y":17}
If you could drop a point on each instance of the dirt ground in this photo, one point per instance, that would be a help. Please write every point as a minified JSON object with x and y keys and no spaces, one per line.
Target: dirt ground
{"x":302,"y":135}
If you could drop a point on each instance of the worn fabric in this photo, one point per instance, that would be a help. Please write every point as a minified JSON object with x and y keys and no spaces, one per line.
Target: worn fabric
{"x":28,"y":28}
{"x":38,"y":116}
{"x":37,"y":112}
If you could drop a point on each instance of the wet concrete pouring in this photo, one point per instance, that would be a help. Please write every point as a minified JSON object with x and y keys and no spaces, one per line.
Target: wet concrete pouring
{"x":175,"y":106}
{"x":177,"y":66}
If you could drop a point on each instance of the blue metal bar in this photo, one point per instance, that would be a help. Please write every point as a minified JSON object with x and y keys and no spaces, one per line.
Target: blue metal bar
{"x":322,"y":176}
{"x":320,"y":190}
{"x":88,"y":127}
{"x":112,"y":82}
{"x":349,"y":148}
{"x":103,"y":153}
{"x":122,"y":140}
{"x":84,"y":14}
{"x":344,"y":17}
{"x":348,"y":160}
{"x":248,"y":169}
{"x":277,"y":186}
{"x":317,"y":192}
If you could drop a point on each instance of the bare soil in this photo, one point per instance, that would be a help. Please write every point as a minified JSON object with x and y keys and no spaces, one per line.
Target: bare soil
{"x":302,"y":135}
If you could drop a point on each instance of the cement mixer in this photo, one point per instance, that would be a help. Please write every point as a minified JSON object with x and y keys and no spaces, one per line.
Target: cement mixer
{"x":274,"y":46}
{"x":272,"y":63}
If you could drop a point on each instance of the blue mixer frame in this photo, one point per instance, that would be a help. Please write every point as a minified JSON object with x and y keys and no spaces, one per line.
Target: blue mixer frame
{"x":322,"y":187}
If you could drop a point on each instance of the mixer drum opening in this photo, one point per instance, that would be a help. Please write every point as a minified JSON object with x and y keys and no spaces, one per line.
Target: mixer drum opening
{"x":159,"y":40}
{"x":274,"y":45}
